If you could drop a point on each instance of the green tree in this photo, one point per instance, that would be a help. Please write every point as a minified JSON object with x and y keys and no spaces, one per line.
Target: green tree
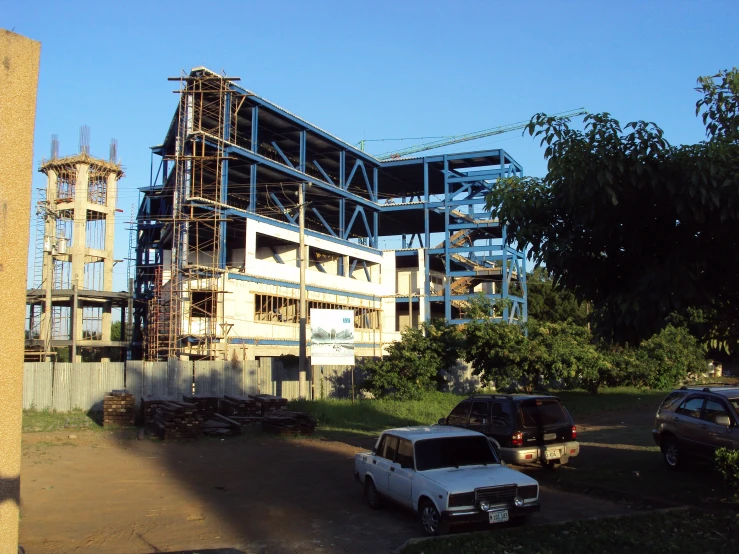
{"x":501,"y":354}
{"x":414,"y":363}
{"x":570,"y":356}
{"x":668,"y":357}
{"x":115,"y":331}
{"x":634,"y":225}
{"x":548,"y":303}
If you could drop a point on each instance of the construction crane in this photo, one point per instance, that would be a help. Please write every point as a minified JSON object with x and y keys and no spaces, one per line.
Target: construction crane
{"x":456,"y":139}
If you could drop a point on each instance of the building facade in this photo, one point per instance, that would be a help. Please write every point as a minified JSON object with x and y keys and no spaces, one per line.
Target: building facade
{"x":398,"y":242}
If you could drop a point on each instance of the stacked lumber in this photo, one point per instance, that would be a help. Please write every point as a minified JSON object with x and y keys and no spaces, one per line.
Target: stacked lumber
{"x":207,"y":405}
{"x":289,"y":423}
{"x":221,"y":425}
{"x":176,"y":420}
{"x":239,"y":406}
{"x":149,"y":405}
{"x":269,"y":403}
{"x":119,"y":408}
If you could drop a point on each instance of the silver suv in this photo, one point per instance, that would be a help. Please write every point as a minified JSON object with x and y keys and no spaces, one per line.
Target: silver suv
{"x":692,"y":422}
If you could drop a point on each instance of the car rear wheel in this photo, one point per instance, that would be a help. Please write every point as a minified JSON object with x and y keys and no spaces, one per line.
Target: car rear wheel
{"x":430,"y":519}
{"x":671,"y":453}
{"x":371,"y":494}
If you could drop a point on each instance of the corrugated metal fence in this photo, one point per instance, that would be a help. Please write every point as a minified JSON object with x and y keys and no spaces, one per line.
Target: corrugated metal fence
{"x":68,"y":386}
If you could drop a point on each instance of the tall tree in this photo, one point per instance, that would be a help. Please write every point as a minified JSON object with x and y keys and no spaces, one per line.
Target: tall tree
{"x":637,"y":226}
{"x":551,"y":304}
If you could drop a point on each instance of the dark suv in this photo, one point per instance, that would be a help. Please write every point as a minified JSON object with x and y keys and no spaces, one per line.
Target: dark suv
{"x":527,"y":428}
{"x":692,"y":422}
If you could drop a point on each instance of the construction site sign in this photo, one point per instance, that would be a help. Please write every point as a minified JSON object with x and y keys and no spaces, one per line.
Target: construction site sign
{"x":332,"y":337}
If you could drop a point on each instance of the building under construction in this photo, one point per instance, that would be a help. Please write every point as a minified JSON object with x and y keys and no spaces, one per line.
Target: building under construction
{"x":398,"y":241}
{"x":71,"y":305}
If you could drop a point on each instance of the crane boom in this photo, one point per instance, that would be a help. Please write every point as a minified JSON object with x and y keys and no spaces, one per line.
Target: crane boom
{"x":455,"y":139}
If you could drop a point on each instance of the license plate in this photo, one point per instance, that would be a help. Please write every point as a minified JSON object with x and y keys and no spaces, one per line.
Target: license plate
{"x":550,"y":436}
{"x":498,"y":517}
{"x":551,"y":454}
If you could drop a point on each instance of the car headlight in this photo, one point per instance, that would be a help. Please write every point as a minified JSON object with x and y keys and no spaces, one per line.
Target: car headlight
{"x":528,"y":491}
{"x":463,"y":499}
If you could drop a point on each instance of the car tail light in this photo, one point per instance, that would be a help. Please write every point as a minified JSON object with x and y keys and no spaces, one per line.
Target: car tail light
{"x":463,"y":499}
{"x":517,"y":439}
{"x":528,"y":491}
{"x":574,"y":432}
{"x":529,"y":456}
{"x":573,"y":450}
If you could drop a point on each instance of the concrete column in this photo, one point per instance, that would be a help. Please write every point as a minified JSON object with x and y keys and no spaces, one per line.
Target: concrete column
{"x":110,"y":232}
{"x":423,"y":276}
{"x":47,"y":269}
{"x":251,"y":244}
{"x":107,"y":321}
{"x":18,"y":82}
{"x":79,"y":235}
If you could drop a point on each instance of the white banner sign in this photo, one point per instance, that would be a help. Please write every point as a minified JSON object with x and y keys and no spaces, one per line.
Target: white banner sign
{"x":332,"y":337}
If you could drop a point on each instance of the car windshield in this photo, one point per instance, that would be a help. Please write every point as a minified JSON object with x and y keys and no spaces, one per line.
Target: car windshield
{"x":542,"y":413}
{"x":453,"y":452}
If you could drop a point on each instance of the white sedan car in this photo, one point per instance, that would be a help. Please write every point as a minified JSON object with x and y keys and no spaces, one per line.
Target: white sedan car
{"x":447,"y":476}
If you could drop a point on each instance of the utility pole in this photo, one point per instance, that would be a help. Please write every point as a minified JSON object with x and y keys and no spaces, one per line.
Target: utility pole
{"x":303,"y":311}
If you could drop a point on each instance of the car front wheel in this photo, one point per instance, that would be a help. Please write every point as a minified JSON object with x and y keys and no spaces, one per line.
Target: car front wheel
{"x":371,"y":494}
{"x":430,"y":519}
{"x":671,"y":453}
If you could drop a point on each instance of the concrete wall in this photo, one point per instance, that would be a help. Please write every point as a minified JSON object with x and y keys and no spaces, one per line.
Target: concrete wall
{"x":19,"y":66}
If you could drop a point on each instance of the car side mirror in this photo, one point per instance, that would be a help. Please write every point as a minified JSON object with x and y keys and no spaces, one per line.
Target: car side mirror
{"x":723,"y":420}
{"x":442,"y":421}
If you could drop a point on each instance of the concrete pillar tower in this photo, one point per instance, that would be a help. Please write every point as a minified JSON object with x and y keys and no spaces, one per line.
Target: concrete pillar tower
{"x":79,"y":232}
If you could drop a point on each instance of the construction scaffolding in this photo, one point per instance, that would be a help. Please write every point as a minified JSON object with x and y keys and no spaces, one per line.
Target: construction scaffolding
{"x":188,"y":308}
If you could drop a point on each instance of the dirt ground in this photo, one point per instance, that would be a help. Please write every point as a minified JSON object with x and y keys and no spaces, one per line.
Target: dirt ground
{"x":107,"y":492}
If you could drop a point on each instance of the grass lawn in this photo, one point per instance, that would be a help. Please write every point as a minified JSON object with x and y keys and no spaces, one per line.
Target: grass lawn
{"x":46,"y":420}
{"x":370,"y":417}
{"x":658,"y":533}
{"x":582,"y":403}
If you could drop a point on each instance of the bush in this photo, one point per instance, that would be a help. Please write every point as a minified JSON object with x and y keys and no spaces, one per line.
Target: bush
{"x":667,"y":358}
{"x":414,"y":363}
{"x":727,"y":462}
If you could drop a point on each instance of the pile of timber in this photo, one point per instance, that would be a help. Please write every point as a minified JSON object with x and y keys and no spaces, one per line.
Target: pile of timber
{"x":269,"y":403}
{"x":207,"y":405}
{"x":176,"y":420}
{"x":220,"y":425}
{"x":119,"y":408}
{"x":149,"y":405}
{"x":239,"y":406}
{"x":289,"y":423}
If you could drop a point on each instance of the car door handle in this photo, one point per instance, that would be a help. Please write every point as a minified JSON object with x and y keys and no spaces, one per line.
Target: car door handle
{"x":392,"y":469}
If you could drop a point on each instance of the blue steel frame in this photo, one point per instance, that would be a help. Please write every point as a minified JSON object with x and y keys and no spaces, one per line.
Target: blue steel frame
{"x":462,"y":206}
{"x":349,"y":188}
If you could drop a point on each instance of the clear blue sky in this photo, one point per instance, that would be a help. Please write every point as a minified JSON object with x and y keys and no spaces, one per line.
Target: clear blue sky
{"x":376,"y":69}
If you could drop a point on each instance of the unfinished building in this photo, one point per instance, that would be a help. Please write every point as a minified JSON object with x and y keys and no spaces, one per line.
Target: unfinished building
{"x":398,"y":242}
{"x":71,"y":306}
